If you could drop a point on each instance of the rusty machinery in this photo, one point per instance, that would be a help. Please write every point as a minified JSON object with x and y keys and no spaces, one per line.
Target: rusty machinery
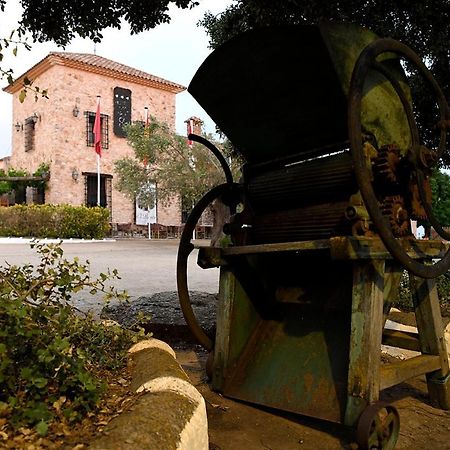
{"x":320,"y":225}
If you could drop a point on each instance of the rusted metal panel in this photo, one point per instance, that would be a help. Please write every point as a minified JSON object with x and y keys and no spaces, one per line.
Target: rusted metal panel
{"x":295,"y":365}
{"x":287,"y":344}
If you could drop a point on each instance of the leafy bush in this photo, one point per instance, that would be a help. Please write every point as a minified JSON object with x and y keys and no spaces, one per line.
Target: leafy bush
{"x":54,"y":221}
{"x":8,"y":185}
{"x":405,"y":303}
{"x":52,"y":356}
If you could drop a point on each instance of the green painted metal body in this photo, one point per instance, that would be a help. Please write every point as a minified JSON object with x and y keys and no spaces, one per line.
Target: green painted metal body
{"x":285,"y":92}
{"x":303,"y":293}
{"x":300,"y":329}
{"x":280,"y":342}
{"x":382,"y":115}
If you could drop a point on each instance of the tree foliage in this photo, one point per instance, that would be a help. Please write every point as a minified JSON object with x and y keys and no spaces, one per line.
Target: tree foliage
{"x":423,"y":26}
{"x":440,"y":188}
{"x":60,"y":21}
{"x":407,"y":21}
{"x":16,"y":40}
{"x":165,"y":159}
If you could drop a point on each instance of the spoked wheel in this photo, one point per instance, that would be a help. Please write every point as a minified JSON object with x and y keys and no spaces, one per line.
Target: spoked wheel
{"x":420,"y":159}
{"x":184,"y":250}
{"x":378,"y":427}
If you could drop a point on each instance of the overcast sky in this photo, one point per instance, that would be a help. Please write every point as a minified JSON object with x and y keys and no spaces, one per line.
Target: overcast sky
{"x":172,"y":51}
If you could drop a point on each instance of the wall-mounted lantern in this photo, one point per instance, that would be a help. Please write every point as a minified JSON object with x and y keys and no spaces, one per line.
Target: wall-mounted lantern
{"x":18,"y":126}
{"x":75,"y":111}
{"x":75,"y":174}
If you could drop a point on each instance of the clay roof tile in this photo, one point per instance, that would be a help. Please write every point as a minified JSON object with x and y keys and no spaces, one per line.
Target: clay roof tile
{"x":98,"y":63}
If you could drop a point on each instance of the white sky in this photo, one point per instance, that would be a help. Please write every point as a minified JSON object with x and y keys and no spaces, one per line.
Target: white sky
{"x":172,"y":51}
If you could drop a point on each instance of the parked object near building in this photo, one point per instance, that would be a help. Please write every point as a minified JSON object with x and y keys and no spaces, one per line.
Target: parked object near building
{"x":59,"y":130}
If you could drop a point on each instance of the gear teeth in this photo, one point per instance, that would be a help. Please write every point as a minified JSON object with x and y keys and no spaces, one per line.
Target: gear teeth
{"x":393,"y":208}
{"x":386,"y":162}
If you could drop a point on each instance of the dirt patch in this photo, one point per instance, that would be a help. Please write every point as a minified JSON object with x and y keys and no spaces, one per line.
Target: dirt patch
{"x":165,"y":318}
{"x":236,"y":425}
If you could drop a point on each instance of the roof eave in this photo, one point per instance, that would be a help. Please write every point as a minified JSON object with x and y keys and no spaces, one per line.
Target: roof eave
{"x":31,"y":74}
{"x":53,"y":59}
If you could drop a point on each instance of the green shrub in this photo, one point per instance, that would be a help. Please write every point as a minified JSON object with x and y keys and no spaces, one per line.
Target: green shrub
{"x":405,"y":303}
{"x":54,"y":221}
{"x":51,"y":356}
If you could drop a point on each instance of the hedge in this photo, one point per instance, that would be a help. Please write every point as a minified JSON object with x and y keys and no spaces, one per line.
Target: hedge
{"x":54,"y":221}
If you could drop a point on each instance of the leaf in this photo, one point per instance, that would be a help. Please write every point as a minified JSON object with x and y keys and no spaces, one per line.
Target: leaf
{"x":22,"y":95}
{"x":4,"y":409}
{"x":40,"y":382}
{"x":15,"y":51}
{"x":42,"y":428}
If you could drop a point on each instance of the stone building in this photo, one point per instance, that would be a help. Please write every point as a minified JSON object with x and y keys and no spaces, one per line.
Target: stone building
{"x":5,"y":163}
{"x":58,"y":131}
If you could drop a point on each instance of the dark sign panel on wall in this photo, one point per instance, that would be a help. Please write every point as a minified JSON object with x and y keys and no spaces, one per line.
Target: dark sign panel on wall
{"x":122,"y":110}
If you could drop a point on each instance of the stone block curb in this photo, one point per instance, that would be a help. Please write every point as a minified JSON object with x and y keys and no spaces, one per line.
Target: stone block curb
{"x":169,"y":414}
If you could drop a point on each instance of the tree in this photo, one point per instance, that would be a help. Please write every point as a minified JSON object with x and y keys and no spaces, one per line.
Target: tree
{"x":60,"y":21}
{"x":440,"y":188}
{"x":165,"y":159}
{"x":440,"y":192}
{"x":423,"y":26}
{"x":14,"y":41}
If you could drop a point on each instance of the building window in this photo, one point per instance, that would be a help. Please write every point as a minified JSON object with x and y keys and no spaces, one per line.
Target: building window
{"x":90,"y":119}
{"x":90,"y":190}
{"x":122,"y":110}
{"x":29,"y":129}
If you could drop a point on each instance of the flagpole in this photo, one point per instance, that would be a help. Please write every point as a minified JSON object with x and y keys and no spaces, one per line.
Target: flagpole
{"x":98,"y":164}
{"x":148,"y":206}
{"x":98,"y":180}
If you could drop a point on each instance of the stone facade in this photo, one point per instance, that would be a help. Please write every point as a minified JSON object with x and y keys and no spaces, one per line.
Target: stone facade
{"x":5,"y":163}
{"x":58,"y":130}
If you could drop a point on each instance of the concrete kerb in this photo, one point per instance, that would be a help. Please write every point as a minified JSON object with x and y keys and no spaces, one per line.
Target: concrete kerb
{"x":169,"y":414}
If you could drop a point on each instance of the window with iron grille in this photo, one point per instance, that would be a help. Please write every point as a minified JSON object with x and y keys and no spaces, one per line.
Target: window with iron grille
{"x":90,"y":119}
{"x":29,"y":129}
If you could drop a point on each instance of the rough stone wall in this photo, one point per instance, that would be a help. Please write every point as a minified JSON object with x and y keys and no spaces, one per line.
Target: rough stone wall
{"x":169,"y":213}
{"x":60,"y":137}
{"x":5,"y":163}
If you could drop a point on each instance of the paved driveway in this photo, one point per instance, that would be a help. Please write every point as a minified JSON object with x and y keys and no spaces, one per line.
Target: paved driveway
{"x":146,"y":266}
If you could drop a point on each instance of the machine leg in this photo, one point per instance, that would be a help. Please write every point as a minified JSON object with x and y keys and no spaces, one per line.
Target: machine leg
{"x":224,"y":322}
{"x":365,"y":338}
{"x":431,"y":336}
